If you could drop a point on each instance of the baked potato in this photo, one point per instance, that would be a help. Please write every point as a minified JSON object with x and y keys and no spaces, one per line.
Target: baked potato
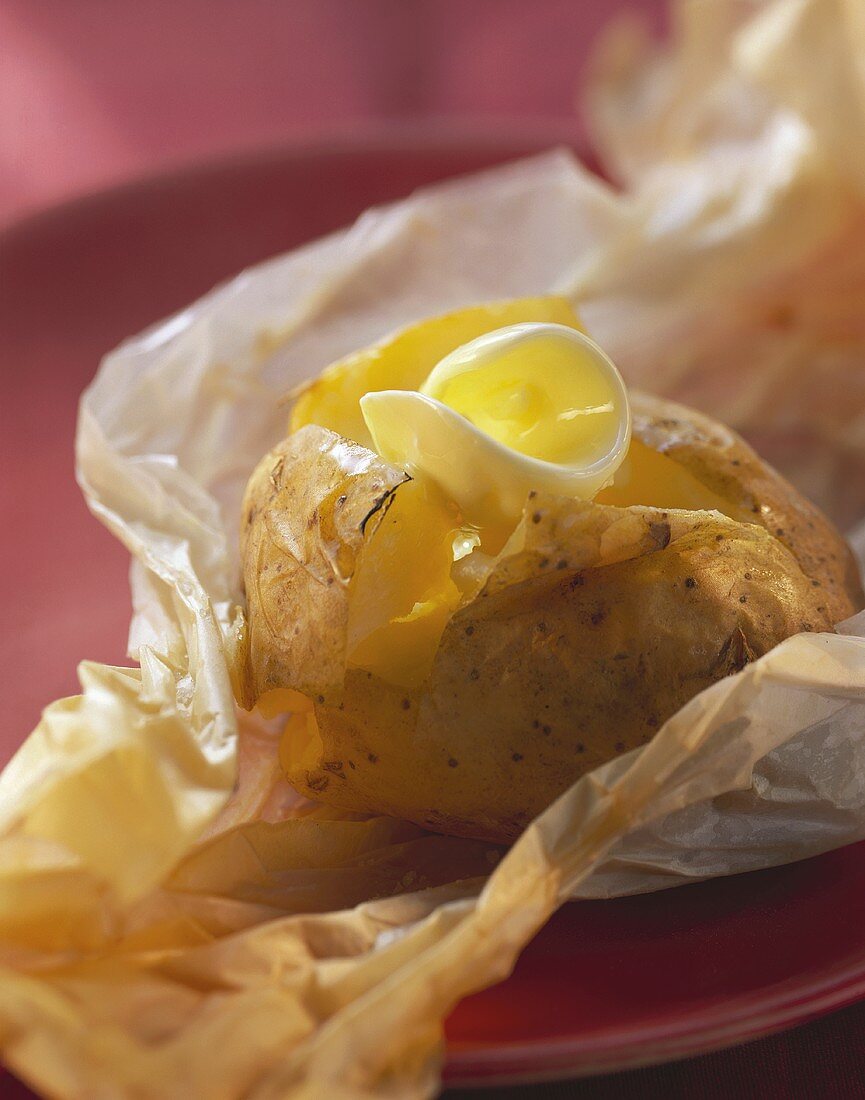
{"x":466,"y":695}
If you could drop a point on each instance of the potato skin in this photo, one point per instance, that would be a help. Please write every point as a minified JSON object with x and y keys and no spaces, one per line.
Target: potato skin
{"x":724,"y":463}
{"x":306,"y":512}
{"x":542,"y":681}
{"x":596,"y":628}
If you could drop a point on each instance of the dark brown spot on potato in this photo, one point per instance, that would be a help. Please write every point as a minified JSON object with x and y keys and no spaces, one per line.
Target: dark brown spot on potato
{"x":735,"y":653}
{"x":469,"y":631}
{"x":598,"y":617}
{"x":537,"y":517}
{"x":317,"y":783}
{"x":406,"y":704}
{"x":453,"y":763}
{"x":516,"y":757}
{"x":620,"y":746}
{"x":660,"y":533}
{"x":372,"y":758}
{"x":690,"y":582}
{"x":474,"y":674}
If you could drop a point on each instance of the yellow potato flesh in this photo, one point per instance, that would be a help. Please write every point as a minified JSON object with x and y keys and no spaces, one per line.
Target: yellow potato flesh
{"x":653,"y":480}
{"x":402,"y":594}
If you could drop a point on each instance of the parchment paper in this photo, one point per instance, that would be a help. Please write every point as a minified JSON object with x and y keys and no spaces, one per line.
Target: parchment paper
{"x":174,"y":921}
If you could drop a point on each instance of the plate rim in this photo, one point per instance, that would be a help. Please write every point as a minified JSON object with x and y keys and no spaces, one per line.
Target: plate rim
{"x":733,"y":1022}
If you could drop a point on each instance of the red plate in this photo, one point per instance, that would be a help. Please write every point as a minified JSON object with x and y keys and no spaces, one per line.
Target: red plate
{"x":606,"y":984}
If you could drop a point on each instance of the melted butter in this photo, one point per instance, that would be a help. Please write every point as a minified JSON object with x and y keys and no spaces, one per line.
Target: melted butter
{"x":534,"y":406}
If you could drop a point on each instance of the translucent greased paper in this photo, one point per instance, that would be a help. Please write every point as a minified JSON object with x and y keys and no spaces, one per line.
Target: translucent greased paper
{"x":176,"y":922}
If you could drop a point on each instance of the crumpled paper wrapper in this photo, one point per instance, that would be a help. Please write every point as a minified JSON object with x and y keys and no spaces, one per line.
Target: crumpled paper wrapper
{"x":176,"y":922}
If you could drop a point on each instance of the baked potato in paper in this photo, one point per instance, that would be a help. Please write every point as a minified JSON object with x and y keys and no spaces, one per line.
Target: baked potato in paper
{"x":466,"y":695}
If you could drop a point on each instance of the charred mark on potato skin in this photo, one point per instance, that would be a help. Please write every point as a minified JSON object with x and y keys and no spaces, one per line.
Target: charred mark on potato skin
{"x":661,"y":534}
{"x":383,"y":502}
{"x":691,"y":583}
{"x":276,"y":472}
{"x":735,"y":652}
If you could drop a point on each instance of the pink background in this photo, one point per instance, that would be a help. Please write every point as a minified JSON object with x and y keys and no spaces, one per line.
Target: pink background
{"x":93,"y":92}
